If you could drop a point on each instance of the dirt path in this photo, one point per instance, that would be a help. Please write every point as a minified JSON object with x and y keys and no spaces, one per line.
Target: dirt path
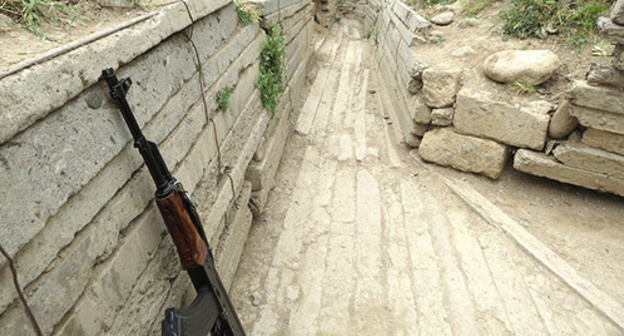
{"x":361,"y":238}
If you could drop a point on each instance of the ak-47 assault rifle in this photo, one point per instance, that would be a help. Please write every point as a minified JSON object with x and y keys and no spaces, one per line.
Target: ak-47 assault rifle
{"x":212,"y":310}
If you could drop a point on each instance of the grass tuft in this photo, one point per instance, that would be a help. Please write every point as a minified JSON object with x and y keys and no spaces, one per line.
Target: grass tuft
{"x":29,"y":14}
{"x":247,"y":14}
{"x":574,"y":20}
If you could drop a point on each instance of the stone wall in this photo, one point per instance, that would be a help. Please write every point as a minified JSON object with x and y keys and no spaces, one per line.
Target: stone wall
{"x":480,"y":130}
{"x":79,"y":220}
{"x":586,"y":145}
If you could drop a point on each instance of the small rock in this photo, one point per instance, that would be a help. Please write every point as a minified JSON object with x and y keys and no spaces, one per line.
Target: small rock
{"x":550,"y":145}
{"x":529,"y":67}
{"x":443,"y":19}
{"x":116,"y":3}
{"x":463,"y":51}
{"x":575,"y":136}
{"x":94,"y":100}
{"x":436,"y":33}
{"x":551,"y":29}
{"x":442,"y":117}
{"x":5,"y":21}
{"x":255,"y":302}
{"x":562,"y":123}
{"x":469,"y":22}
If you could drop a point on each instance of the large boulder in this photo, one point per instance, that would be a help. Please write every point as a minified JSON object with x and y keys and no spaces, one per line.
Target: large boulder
{"x":528,"y":67}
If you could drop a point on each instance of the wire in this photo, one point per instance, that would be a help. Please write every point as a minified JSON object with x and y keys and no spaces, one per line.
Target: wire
{"x":20,"y":293}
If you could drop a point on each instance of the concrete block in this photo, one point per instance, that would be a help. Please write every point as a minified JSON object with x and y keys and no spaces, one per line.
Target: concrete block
{"x":268,"y":7}
{"x":605,"y":98}
{"x":214,"y":192}
{"x":478,"y":115}
{"x":57,"y":291}
{"x":611,"y":142}
{"x":540,"y":164}
{"x":581,"y":156}
{"x":145,"y":304}
{"x":406,"y":34}
{"x":399,"y":115}
{"x":233,"y":238}
{"x":412,"y":20}
{"x":95,"y":311}
{"x":599,"y":119}
{"x":287,"y":13}
{"x":465,"y":153}
{"x":261,"y":174}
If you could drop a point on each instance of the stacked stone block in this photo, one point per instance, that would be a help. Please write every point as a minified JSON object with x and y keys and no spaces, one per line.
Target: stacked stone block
{"x":597,"y":104}
{"x":78,"y":213}
{"x":420,"y":98}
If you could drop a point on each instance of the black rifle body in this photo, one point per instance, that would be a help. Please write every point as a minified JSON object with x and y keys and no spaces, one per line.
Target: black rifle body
{"x":211,"y":311}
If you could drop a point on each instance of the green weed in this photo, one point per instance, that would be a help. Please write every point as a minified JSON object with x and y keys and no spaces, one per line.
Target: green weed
{"x":574,"y":20}
{"x":523,"y":88}
{"x":272,"y":69}
{"x":223,"y":98}
{"x":247,"y":14}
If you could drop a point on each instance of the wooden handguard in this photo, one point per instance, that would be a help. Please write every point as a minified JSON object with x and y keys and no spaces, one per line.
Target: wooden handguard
{"x":191,"y":248}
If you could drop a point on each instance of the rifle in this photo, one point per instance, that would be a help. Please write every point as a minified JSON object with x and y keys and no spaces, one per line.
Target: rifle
{"x":211,"y":311}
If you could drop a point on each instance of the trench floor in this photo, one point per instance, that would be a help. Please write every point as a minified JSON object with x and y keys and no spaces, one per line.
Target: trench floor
{"x":361,"y":238}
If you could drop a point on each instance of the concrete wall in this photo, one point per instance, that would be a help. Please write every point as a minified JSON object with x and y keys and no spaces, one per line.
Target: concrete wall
{"x":78,"y":215}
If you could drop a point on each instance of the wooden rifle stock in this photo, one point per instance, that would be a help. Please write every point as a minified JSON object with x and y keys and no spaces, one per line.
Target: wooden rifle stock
{"x":191,"y":248}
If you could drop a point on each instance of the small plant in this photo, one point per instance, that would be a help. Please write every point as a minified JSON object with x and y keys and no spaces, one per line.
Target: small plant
{"x":439,"y":41}
{"x":575,"y":20}
{"x":337,"y":18}
{"x":223,"y":98}
{"x":272,"y":69}
{"x":29,"y":14}
{"x":523,"y":88}
{"x":247,"y":14}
